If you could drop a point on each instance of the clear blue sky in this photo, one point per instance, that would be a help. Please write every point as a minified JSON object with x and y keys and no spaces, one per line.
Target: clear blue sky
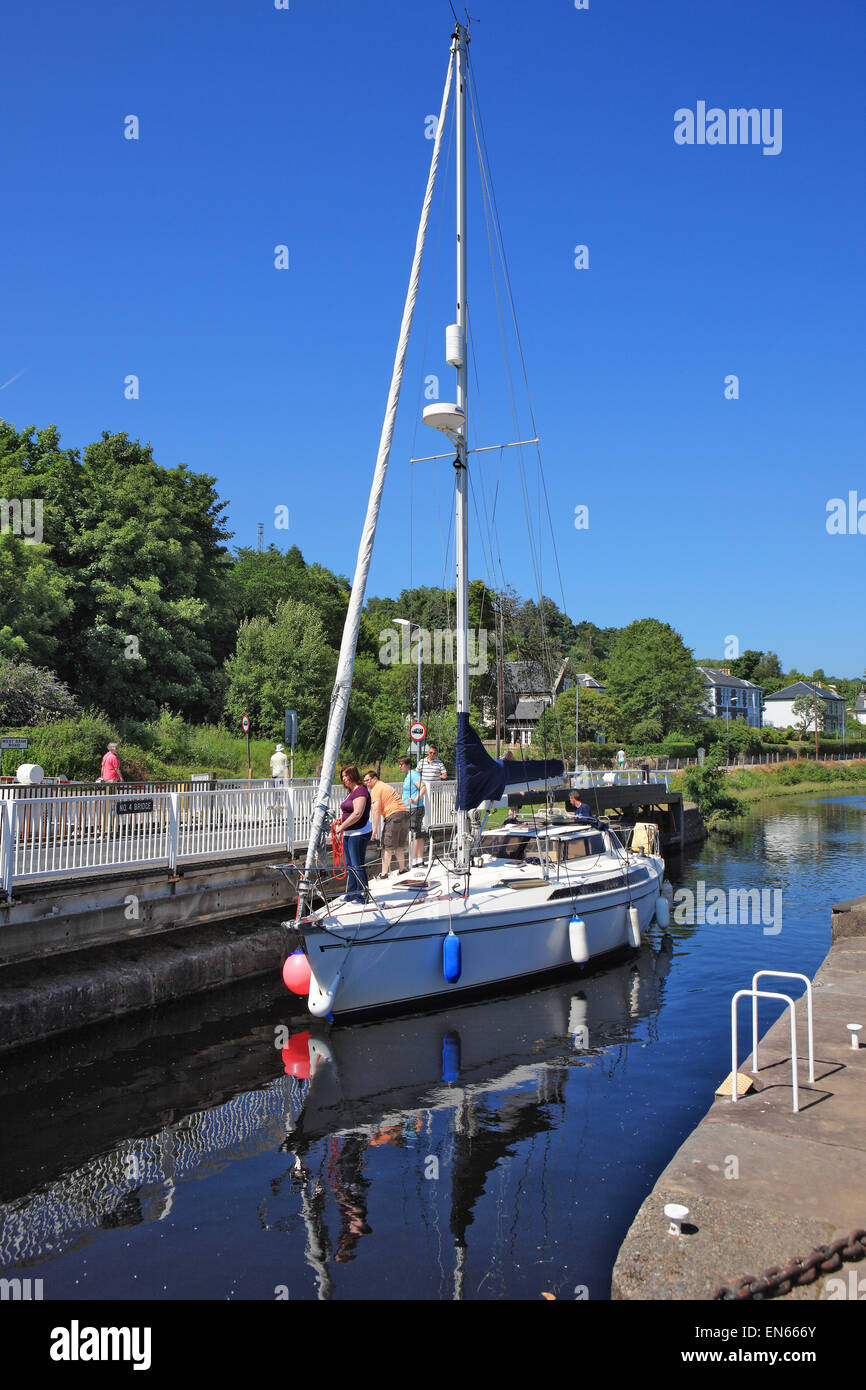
{"x":307,"y":127}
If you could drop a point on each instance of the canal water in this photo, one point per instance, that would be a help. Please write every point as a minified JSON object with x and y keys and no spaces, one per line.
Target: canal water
{"x":227,"y":1149}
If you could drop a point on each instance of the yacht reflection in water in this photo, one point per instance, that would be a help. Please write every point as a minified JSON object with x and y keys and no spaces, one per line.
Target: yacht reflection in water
{"x":118,"y":1129}
{"x":493,"y":1069}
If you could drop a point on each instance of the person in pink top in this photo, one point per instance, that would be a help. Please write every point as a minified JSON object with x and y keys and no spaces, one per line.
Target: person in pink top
{"x":110,"y":765}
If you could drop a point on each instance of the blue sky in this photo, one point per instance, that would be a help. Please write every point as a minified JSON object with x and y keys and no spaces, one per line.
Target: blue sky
{"x":306,"y":127}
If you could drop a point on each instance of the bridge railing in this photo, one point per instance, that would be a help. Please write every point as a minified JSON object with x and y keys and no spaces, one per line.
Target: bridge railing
{"x":50,"y":836}
{"x":127,"y":828}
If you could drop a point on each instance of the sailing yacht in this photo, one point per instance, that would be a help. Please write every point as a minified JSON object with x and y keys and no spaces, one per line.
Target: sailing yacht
{"x":503,"y":905}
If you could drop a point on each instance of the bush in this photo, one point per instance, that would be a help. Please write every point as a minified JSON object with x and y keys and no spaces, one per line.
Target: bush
{"x":707,"y":787}
{"x":30,"y":695}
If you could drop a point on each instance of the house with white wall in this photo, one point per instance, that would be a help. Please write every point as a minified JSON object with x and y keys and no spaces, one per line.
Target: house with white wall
{"x":779,"y":708}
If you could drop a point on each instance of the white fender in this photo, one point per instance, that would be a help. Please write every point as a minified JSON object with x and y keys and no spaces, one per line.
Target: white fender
{"x":577,"y":941}
{"x":321,"y":1001}
{"x":667,"y":891}
{"x":663,"y":912}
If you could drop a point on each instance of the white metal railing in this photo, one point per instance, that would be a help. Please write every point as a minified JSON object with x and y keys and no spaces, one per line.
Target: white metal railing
{"x":125,"y":828}
{"x":46,"y":837}
{"x":631,"y":777}
{"x":755,"y":994}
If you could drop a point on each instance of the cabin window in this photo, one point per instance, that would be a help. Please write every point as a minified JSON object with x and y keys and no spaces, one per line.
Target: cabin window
{"x":585,"y":847}
{"x":506,"y":846}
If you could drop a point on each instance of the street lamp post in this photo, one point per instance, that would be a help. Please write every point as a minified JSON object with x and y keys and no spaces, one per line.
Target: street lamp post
{"x":404,"y":622}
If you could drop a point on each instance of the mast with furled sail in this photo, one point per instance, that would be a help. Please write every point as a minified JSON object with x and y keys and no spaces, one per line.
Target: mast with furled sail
{"x":351,"y":627}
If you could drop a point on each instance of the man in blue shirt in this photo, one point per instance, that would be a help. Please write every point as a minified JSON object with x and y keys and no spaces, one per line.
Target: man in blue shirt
{"x":579,"y":808}
{"x":413,"y":795}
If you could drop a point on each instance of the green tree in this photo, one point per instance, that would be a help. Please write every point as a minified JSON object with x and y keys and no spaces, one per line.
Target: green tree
{"x":651,"y":676}
{"x":259,"y":581}
{"x":34,"y":602}
{"x":281,"y":663}
{"x":804,"y":710}
{"x":140,"y":547}
{"x":598,"y":716}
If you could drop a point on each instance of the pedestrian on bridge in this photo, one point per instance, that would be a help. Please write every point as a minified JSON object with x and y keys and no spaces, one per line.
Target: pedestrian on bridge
{"x":279,"y":764}
{"x":110,"y":765}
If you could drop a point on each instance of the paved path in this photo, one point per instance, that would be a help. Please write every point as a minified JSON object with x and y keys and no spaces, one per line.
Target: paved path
{"x":801,"y":1178}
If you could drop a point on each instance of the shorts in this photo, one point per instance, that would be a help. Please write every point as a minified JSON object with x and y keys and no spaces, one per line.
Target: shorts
{"x":416,"y":819}
{"x":395,"y":830}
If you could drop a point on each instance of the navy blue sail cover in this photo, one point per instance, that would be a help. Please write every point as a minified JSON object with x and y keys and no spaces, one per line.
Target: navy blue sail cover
{"x":482,"y":778}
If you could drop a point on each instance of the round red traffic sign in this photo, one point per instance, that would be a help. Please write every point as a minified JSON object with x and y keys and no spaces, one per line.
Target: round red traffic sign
{"x":418,"y":733}
{"x":245,"y":724}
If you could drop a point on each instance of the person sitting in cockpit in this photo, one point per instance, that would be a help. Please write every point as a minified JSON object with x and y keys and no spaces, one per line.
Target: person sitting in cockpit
{"x":579,"y":808}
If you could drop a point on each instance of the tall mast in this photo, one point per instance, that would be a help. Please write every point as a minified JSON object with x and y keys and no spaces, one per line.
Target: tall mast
{"x":352,"y":623}
{"x":460,"y":48}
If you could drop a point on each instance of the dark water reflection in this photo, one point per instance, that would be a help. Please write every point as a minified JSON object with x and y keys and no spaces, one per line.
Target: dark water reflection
{"x":229,"y":1150}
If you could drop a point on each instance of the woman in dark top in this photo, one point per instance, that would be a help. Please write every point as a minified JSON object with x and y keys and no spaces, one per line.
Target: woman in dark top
{"x":356,"y":830}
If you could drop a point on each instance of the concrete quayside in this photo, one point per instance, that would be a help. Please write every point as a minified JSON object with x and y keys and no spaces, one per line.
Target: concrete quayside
{"x":765,"y":1186}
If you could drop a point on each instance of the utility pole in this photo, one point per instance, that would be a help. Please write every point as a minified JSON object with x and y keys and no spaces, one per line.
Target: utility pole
{"x":500,"y":644}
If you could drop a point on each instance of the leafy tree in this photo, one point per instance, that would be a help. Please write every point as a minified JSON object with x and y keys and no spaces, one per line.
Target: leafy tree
{"x":746,"y":665}
{"x":734,"y":735}
{"x":140,"y":547}
{"x":259,"y":581}
{"x":33,"y":601}
{"x":591,"y":648}
{"x":804,"y":710}
{"x":598,"y":715}
{"x":651,"y":676}
{"x":281,"y":663}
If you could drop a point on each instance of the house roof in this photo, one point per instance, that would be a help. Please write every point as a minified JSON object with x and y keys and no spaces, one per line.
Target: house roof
{"x":526,"y":677}
{"x":713,"y":677}
{"x":528,"y":709}
{"x":793,"y":692}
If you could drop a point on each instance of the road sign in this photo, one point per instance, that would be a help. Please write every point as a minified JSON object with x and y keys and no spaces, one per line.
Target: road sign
{"x":245,"y":724}
{"x":418,"y":733}
{"x":13,"y":743}
{"x":291,"y":727}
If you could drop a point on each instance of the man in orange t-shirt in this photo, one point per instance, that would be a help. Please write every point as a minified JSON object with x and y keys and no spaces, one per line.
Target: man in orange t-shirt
{"x":389,"y":807}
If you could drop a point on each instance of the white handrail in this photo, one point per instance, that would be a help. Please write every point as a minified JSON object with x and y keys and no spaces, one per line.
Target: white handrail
{"x":763,"y":994}
{"x":783,"y":975}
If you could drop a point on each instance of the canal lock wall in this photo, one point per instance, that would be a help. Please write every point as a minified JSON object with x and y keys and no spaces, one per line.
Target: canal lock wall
{"x":799,"y":1180}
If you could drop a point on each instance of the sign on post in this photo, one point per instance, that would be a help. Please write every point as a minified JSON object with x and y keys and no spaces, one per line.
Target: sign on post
{"x":291,"y":739}
{"x":245,"y":725}
{"x":19,"y":743}
{"x":418,"y":732}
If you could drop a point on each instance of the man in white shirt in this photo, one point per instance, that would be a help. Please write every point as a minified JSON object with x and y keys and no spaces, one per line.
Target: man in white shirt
{"x":432,"y":770}
{"x":279,"y":764}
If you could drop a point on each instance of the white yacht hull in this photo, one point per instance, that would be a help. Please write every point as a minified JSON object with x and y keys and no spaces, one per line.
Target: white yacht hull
{"x":391,"y":955}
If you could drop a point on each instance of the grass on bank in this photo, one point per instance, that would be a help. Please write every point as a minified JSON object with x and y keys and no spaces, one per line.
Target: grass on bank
{"x":791,"y":779}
